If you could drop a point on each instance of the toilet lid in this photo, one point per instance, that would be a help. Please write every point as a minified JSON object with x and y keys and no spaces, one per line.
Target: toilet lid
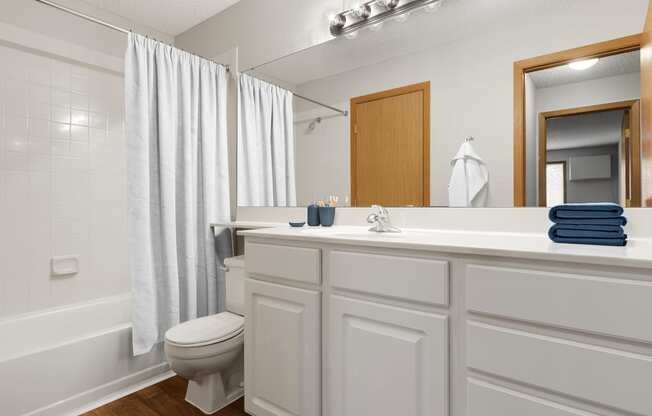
{"x":207,"y":330}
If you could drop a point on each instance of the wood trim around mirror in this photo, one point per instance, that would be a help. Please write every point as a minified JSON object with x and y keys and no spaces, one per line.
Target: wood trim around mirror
{"x":646,"y":104}
{"x":611,"y":47}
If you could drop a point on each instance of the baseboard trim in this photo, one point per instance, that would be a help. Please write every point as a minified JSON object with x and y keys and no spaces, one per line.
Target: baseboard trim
{"x":106,"y":393}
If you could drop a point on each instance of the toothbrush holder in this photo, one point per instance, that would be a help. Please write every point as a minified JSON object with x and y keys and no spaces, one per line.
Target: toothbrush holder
{"x":327,"y":216}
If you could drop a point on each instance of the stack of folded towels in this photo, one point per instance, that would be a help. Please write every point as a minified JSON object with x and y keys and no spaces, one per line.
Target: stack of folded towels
{"x":597,"y":224}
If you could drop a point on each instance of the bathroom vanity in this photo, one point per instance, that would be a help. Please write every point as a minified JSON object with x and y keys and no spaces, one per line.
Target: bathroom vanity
{"x":345,"y":322}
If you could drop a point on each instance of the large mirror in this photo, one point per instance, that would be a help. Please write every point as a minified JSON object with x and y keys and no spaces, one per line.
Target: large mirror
{"x":425,"y":111}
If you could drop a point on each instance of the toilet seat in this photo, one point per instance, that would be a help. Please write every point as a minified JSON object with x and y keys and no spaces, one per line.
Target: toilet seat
{"x":204,"y":331}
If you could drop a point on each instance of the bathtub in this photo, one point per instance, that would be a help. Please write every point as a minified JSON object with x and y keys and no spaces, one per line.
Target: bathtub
{"x":71,"y":359}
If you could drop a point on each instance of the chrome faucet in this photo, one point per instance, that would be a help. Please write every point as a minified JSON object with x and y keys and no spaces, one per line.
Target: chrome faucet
{"x":381,"y":221}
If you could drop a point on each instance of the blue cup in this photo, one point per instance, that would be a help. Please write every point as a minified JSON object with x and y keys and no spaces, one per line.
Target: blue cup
{"x":313,"y":215}
{"x":327,"y":216}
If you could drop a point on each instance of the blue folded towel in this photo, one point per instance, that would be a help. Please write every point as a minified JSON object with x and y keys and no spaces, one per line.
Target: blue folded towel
{"x":603,"y":235}
{"x":606,"y":213}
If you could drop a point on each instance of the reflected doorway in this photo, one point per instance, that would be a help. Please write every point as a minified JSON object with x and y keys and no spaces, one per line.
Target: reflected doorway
{"x":600,"y":149}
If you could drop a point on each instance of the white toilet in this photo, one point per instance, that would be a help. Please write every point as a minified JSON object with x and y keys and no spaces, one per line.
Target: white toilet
{"x":209,"y":351}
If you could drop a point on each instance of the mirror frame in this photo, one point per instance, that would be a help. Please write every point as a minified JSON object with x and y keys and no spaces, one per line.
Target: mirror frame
{"x":595,"y":50}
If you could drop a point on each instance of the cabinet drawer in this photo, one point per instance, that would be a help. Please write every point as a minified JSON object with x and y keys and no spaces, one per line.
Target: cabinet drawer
{"x":601,"y":375}
{"x":610,"y":306}
{"x":405,"y":278}
{"x":285,"y":262}
{"x":485,"y":399}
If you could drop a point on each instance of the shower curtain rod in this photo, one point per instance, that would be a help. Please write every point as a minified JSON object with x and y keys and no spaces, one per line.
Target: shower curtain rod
{"x":337,"y":110}
{"x":321,"y":118}
{"x":109,"y":25}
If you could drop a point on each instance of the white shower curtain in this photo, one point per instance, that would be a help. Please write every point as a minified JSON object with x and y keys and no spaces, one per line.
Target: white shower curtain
{"x":266,"y":175}
{"x":177,"y":168}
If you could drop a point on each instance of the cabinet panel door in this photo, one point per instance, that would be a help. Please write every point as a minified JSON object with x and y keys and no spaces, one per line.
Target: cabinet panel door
{"x":386,"y":361}
{"x":282,"y":350}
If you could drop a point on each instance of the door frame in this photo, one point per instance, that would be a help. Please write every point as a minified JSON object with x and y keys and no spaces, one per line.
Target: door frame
{"x":424,"y":87}
{"x":633,"y":106}
{"x":596,"y":50}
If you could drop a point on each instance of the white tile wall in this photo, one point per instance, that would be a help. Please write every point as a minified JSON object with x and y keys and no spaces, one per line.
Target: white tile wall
{"x":62,"y":181}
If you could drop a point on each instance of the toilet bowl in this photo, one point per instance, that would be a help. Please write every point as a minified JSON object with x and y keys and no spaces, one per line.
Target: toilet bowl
{"x":208,"y":351}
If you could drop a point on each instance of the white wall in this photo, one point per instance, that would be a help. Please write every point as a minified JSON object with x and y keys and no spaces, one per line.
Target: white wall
{"x":322,"y":157}
{"x":63,"y":192}
{"x":62,"y":181}
{"x":531,"y":148}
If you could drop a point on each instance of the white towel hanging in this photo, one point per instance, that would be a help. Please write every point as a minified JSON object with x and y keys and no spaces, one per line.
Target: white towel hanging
{"x":469,"y":180}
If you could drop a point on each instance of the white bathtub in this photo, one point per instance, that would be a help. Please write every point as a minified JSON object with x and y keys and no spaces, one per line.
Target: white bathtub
{"x":65,"y":360}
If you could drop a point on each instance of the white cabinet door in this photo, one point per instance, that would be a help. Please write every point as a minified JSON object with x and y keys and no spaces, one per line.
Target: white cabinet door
{"x":385,"y":360}
{"x":282,"y":350}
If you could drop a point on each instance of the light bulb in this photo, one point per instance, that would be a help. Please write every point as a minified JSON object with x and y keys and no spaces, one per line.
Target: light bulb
{"x":583,"y":64}
{"x":362,"y":11}
{"x":337,"y":20}
{"x":389,"y":4}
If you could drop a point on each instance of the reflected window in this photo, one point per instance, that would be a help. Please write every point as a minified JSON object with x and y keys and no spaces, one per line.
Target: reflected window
{"x":555,"y":183}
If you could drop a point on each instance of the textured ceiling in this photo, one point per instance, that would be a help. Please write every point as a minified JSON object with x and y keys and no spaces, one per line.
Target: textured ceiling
{"x":609,"y":66}
{"x":171,"y":17}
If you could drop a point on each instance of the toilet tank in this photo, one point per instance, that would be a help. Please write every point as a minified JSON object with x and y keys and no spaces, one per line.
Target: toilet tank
{"x":235,"y":277}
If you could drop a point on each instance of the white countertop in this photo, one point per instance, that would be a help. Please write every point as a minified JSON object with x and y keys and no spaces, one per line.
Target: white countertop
{"x":248,"y":225}
{"x":637,"y":253}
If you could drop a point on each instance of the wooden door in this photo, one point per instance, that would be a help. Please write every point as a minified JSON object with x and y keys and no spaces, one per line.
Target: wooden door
{"x":646,"y":108}
{"x":390,"y":147}
{"x":385,"y":360}
{"x":282,"y":350}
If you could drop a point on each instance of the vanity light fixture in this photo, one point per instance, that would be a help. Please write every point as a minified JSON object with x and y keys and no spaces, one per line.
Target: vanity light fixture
{"x":583,"y":64}
{"x":373,"y":12}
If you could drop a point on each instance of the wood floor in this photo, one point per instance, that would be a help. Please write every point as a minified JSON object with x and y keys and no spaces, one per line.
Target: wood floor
{"x":166,"y":398}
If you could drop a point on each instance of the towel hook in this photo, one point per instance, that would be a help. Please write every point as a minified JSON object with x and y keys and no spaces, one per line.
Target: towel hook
{"x":469,"y":139}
